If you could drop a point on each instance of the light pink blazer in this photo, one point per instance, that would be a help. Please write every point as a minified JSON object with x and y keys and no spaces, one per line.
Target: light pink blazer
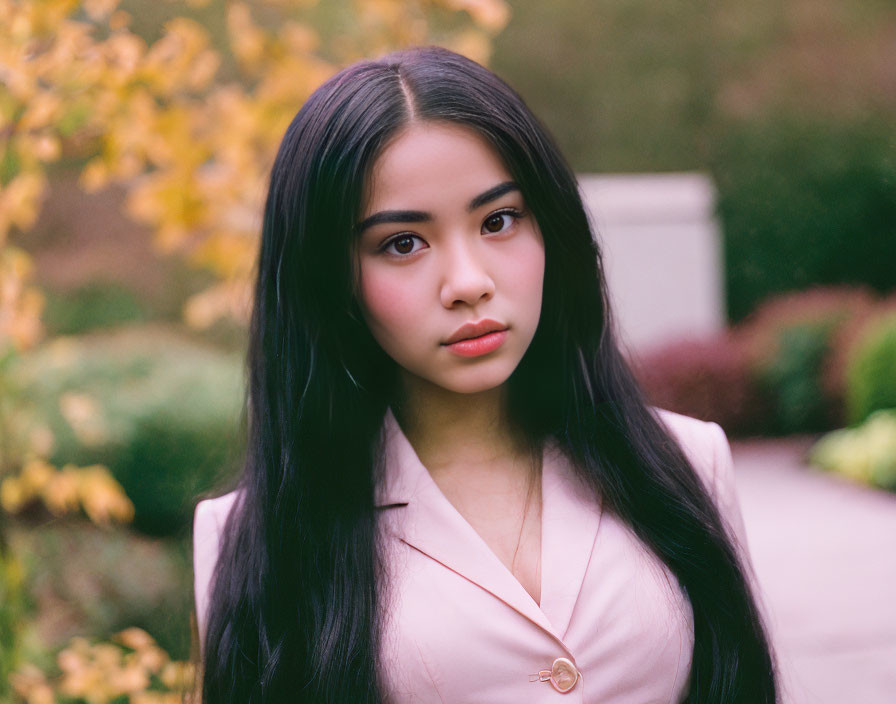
{"x":461,"y":628}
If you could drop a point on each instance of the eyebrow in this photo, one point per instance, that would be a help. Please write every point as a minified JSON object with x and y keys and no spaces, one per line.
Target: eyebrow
{"x":399,"y":216}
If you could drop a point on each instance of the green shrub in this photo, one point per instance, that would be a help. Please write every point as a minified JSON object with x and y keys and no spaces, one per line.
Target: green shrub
{"x":871,"y":370}
{"x":169,"y":458}
{"x":790,"y":379}
{"x":804,"y":204}
{"x":162,"y":412}
{"x":791,"y":338}
{"x":12,"y":614}
{"x":94,"y":305}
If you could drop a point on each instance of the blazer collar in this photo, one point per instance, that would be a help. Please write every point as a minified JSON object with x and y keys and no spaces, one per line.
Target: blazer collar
{"x":420,"y":515}
{"x":402,"y":470}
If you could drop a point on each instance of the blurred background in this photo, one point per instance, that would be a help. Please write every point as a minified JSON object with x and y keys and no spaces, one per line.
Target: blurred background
{"x":135,"y":143}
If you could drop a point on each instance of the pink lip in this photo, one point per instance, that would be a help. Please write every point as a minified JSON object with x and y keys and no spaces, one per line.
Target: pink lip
{"x":478,"y":346}
{"x":476,"y":339}
{"x":471,"y":330}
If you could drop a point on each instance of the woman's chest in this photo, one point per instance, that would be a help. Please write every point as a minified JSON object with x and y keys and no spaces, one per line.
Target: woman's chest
{"x":510,"y":527}
{"x":453,"y":635}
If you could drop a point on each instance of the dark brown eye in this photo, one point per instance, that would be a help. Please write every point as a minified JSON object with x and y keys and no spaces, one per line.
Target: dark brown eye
{"x":495,"y":223}
{"x":404,"y":245}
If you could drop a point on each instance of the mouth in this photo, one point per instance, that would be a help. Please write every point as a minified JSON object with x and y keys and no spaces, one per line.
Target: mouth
{"x":477,"y":339}
{"x":472,"y":331}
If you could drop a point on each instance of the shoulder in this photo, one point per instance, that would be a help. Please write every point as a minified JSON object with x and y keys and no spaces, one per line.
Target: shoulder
{"x":705,"y":445}
{"x":209,"y":518}
{"x":210,"y":514}
{"x":691,"y":433}
{"x":208,"y":521}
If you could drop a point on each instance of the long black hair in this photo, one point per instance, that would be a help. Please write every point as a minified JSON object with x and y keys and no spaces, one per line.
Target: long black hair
{"x":293,"y":611}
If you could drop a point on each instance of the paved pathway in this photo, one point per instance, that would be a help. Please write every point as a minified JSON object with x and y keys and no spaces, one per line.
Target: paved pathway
{"x":824,"y":551}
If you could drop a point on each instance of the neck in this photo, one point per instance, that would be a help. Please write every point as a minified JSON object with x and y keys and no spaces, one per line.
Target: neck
{"x":461,"y":433}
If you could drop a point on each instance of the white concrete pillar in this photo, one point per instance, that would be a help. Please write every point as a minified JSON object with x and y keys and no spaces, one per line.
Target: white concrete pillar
{"x":662,"y":254}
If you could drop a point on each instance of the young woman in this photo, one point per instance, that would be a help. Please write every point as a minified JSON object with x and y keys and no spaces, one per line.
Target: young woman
{"x":454,"y":489}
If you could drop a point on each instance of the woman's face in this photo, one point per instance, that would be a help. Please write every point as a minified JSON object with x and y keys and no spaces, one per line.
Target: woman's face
{"x":446,"y":242}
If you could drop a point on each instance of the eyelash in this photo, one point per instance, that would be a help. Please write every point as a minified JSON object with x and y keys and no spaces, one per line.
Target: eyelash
{"x":515,"y":213}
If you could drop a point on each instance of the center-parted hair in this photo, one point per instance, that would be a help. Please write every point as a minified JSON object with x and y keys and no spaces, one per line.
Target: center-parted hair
{"x":294,"y":613}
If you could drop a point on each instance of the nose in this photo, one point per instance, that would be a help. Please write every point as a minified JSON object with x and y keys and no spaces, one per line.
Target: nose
{"x":465,"y":276}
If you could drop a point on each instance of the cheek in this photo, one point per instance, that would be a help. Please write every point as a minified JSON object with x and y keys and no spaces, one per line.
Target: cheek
{"x":388,"y":304}
{"x":525,"y":273}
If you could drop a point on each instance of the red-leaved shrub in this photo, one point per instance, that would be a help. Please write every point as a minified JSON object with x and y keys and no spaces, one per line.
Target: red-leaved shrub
{"x":791,"y":338}
{"x":707,"y":379}
{"x":780,"y":371}
{"x":833,"y":306}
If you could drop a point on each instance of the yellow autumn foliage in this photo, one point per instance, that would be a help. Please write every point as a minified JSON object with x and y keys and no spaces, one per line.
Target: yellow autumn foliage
{"x":191,"y":148}
{"x":21,"y":304}
{"x":130,"y":665}
{"x":65,"y":490}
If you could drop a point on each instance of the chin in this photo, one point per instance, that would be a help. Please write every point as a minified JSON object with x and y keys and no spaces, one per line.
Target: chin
{"x":475,"y":381}
{"x":471,"y":389}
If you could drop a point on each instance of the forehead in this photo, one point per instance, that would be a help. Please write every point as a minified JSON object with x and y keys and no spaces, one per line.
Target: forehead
{"x":428,"y":163}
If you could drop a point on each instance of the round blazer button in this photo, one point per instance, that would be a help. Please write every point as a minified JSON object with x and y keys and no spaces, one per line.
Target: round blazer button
{"x":564,"y":675}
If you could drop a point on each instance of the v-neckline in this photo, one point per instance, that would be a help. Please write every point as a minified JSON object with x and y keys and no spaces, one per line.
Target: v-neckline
{"x":540,"y":556}
{"x":418,"y":513}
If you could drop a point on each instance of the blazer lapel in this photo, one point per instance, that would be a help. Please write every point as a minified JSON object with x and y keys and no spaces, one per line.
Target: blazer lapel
{"x":570,"y":518}
{"x":427,"y":521}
